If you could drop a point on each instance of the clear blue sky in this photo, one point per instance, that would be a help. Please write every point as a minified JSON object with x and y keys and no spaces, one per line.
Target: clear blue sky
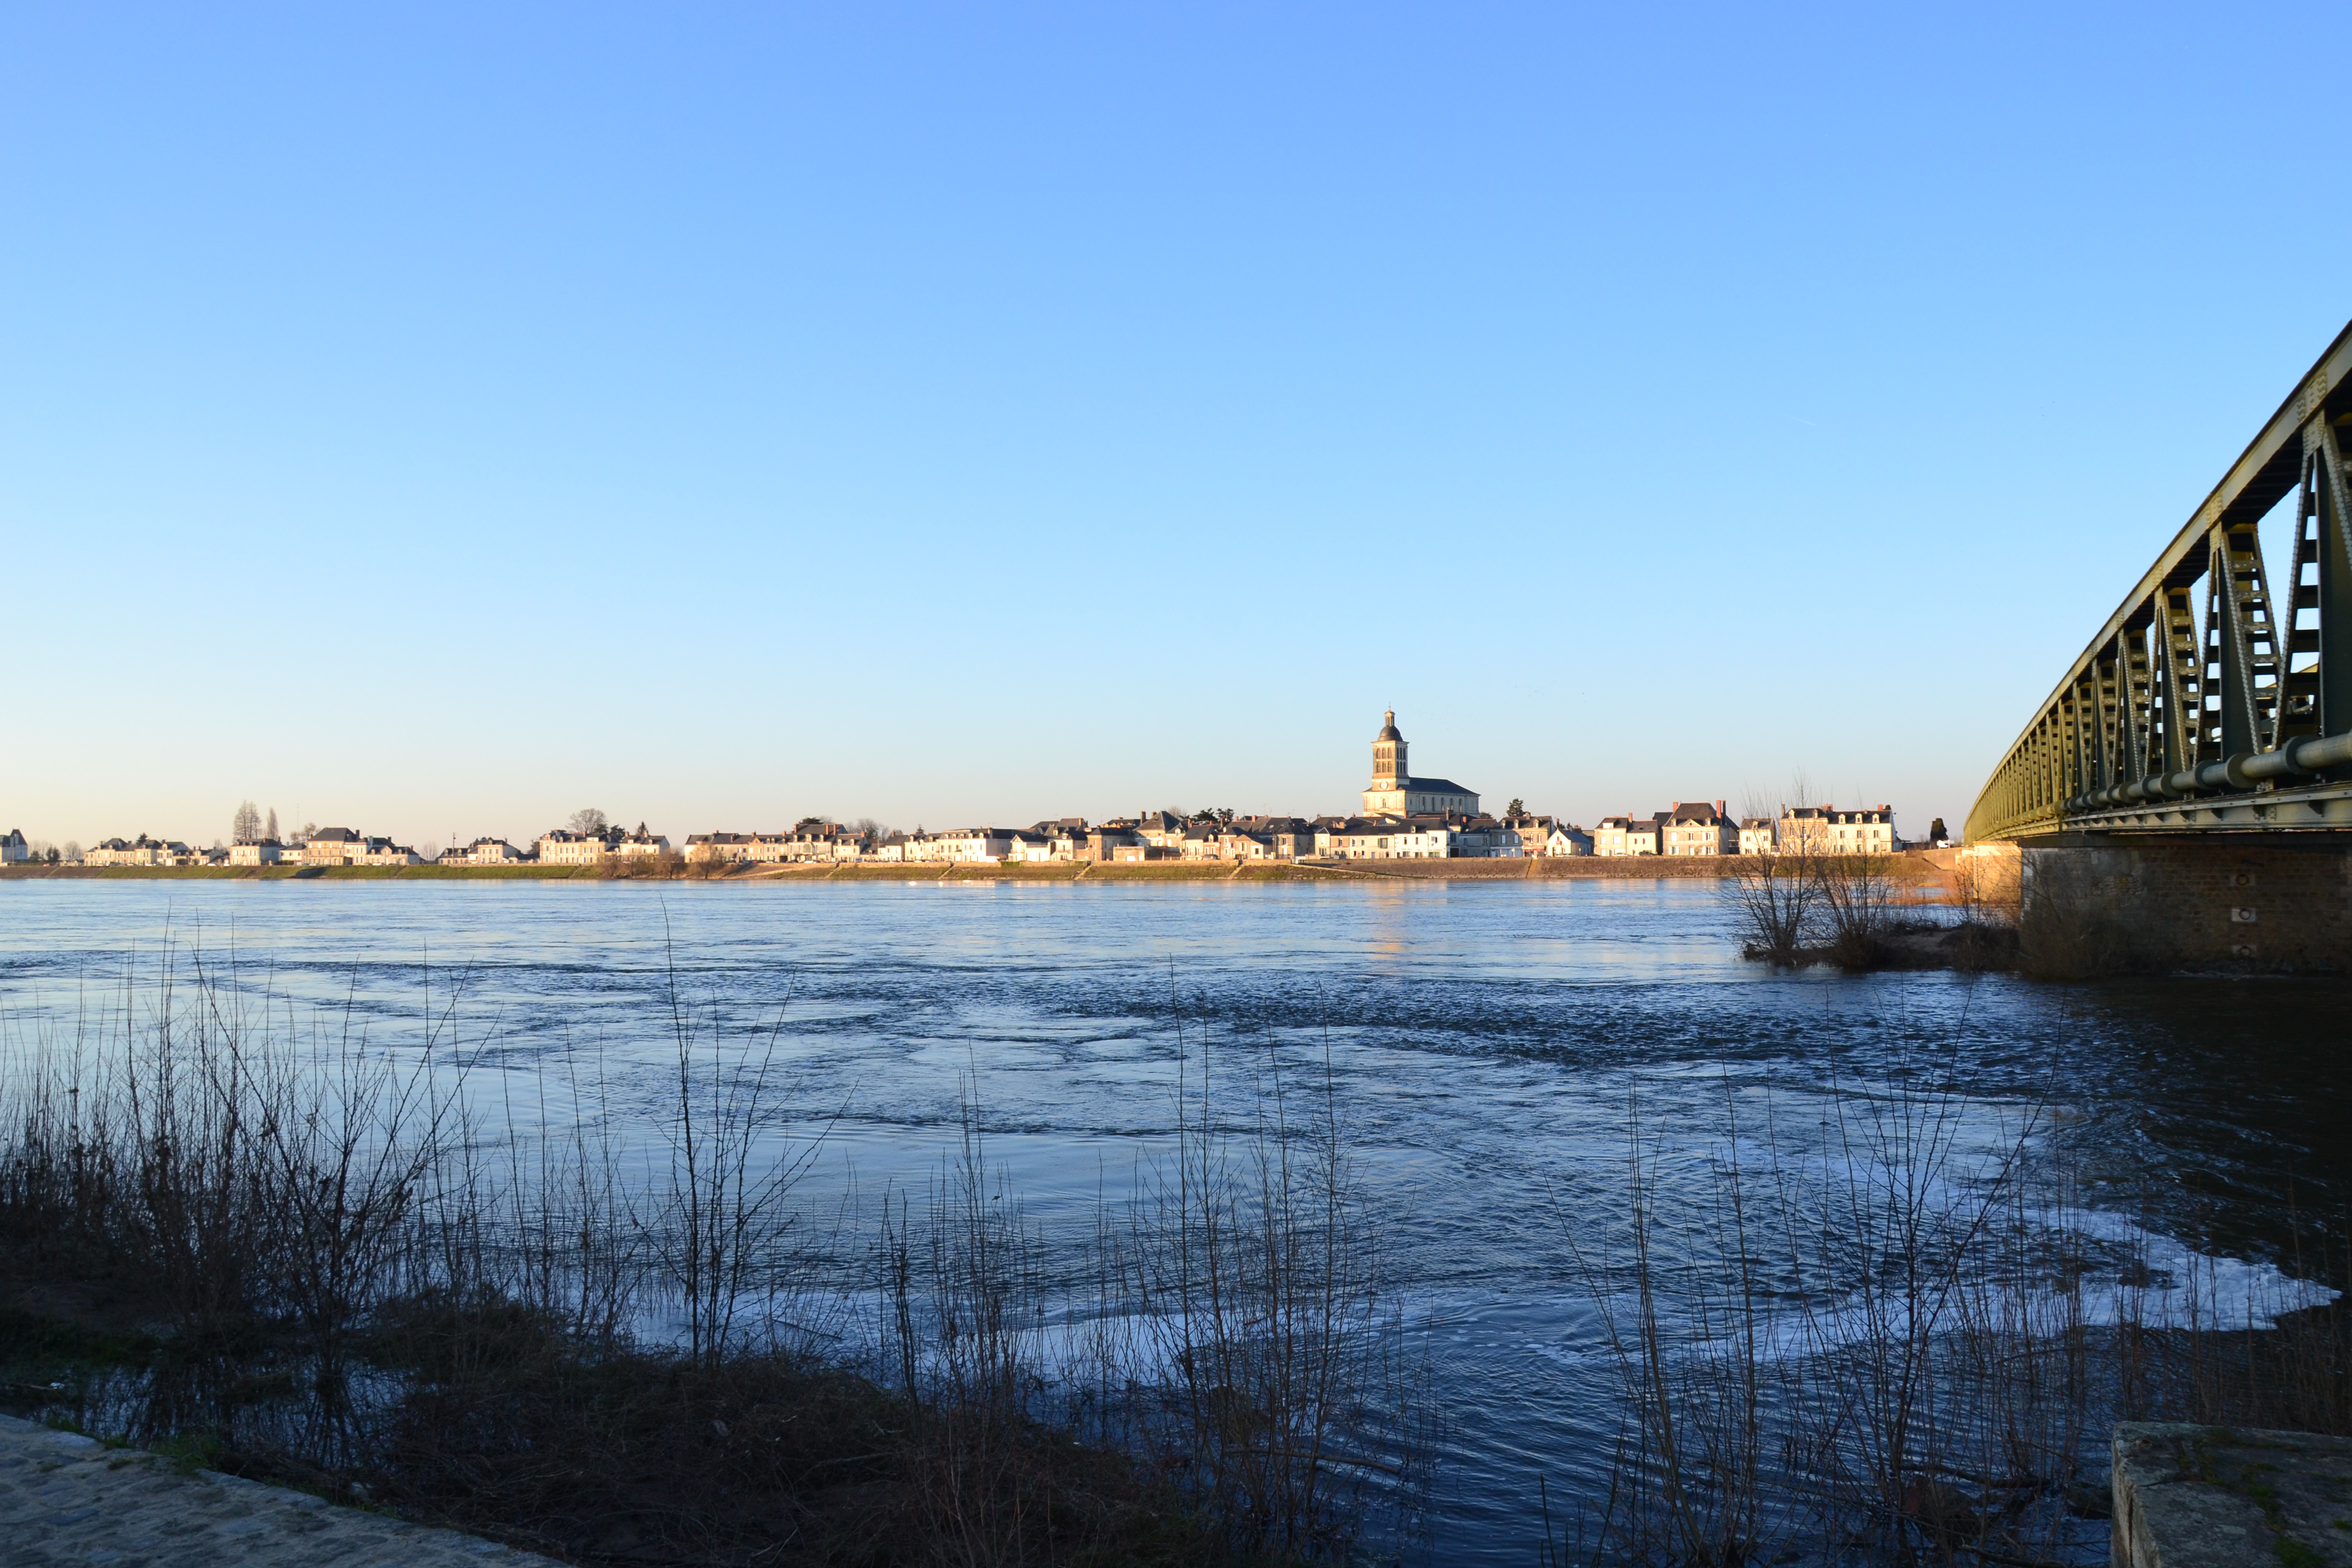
{"x":431,"y":420}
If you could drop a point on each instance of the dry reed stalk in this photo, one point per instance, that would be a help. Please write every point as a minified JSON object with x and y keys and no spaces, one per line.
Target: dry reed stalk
{"x":1879,"y":1345}
{"x":404,"y":1265}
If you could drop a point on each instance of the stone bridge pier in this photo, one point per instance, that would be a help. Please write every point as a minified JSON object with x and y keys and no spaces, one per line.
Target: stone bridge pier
{"x":2205,"y":901}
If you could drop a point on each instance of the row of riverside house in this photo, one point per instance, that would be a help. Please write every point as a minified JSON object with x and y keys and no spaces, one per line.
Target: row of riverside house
{"x":1701,"y":827}
{"x":344,"y":846}
{"x":1704,"y":828}
{"x":1159,"y":836}
{"x":1685,"y":829}
{"x":1405,"y":817}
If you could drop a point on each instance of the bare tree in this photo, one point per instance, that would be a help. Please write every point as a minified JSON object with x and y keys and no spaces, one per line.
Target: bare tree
{"x":269,"y":828}
{"x":1776,"y":894}
{"x":1776,"y":890}
{"x":1856,"y":893}
{"x":244,"y":827}
{"x":588,"y":822}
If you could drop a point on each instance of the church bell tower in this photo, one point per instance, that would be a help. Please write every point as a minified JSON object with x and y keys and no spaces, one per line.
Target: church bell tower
{"x":1388,"y":756}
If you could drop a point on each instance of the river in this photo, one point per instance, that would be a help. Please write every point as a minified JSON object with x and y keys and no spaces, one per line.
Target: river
{"x":1485,"y":1042}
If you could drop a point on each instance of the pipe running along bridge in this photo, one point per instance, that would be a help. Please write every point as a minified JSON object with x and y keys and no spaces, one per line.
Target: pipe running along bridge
{"x":2234,"y":728}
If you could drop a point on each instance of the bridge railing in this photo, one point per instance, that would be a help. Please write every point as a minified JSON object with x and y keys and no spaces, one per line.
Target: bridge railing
{"x":2239,"y":720}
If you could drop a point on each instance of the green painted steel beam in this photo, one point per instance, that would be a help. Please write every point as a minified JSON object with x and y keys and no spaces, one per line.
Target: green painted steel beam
{"x":2092,"y":720}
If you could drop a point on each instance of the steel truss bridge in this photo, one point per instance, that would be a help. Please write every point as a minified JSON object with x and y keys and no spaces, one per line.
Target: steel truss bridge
{"x":2239,"y":724}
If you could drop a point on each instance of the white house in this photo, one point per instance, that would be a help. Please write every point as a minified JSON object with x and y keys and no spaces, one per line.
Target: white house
{"x":334,"y":846}
{"x":988,"y":845}
{"x":560,"y":847}
{"x":1565,"y":839}
{"x":1698,"y":829}
{"x":140,"y":851}
{"x":1625,"y":836}
{"x":640,"y":843}
{"x":1827,"y":830}
{"x":719,"y":847}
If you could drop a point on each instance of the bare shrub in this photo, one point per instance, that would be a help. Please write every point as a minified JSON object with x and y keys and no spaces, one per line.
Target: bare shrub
{"x":1776,"y":897}
{"x":1985,"y":883}
{"x":2070,"y":922}
{"x":1882,"y":1338}
{"x":408,"y":1268}
{"x":1256,"y":1276}
{"x":665,"y":864}
{"x":1803,"y":1358}
{"x":723,"y":1227}
{"x":1231,"y":1336}
{"x":1857,"y":897}
{"x":966,"y":1292}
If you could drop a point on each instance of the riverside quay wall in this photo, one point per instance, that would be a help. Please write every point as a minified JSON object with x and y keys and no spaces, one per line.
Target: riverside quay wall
{"x":2274,"y":905}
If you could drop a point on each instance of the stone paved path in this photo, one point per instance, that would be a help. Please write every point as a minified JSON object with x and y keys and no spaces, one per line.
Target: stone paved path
{"x":67,"y":1499}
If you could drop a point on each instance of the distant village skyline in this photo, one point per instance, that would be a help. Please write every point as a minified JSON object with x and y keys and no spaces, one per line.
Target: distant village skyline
{"x":1446,"y":817}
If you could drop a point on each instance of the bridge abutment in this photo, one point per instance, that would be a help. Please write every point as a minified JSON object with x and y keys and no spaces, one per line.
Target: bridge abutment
{"x":2095,"y":903}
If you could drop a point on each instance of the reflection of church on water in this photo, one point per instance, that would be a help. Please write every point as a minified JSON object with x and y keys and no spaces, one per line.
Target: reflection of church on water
{"x":1394,"y":790}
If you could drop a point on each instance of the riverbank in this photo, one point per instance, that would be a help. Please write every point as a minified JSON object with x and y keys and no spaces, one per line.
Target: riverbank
{"x":298,"y":873}
{"x":1911,"y":869}
{"x":260,"y":1260}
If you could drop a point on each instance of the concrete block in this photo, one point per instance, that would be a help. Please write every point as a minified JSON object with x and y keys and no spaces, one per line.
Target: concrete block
{"x":2211,"y":1497}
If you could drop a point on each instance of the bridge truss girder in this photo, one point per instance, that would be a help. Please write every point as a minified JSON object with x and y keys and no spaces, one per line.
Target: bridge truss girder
{"x":2243,"y":722}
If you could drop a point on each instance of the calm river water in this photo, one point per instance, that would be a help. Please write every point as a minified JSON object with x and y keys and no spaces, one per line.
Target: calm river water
{"x":1488,"y":1041}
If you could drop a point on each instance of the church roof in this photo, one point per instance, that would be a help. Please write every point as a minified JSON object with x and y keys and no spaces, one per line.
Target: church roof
{"x":1437,"y":786}
{"x":1389,"y":729}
